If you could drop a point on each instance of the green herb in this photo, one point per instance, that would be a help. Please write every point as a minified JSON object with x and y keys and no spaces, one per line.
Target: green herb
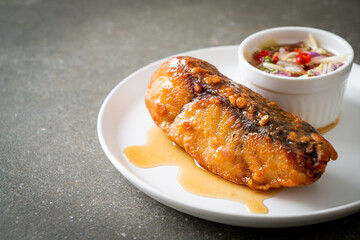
{"x":262,"y":68}
{"x":268,"y":59}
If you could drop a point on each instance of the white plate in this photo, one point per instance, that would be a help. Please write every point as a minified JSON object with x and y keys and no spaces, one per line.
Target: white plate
{"x":124,"y":121}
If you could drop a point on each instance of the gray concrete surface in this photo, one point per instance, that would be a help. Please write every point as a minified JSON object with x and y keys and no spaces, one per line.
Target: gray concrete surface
{"x":59,"y":60}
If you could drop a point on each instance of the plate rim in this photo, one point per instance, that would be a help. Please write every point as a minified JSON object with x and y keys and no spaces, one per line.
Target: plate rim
{"x":252,"y":220}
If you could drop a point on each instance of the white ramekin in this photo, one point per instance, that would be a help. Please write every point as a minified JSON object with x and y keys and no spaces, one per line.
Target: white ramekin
{"x":317,"y":100}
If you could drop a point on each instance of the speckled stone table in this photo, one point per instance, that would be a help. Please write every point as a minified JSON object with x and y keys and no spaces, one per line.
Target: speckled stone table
{"x":59,"y":60}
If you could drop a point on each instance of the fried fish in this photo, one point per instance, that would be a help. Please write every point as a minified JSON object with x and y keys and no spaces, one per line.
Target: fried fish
{"x":232,"y":131}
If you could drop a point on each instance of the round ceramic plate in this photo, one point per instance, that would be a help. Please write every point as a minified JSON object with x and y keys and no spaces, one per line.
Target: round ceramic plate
{"x":124,"y":121}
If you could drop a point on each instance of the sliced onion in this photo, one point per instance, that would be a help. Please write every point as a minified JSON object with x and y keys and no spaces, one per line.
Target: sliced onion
{"x":291,"y":67}
{"x":327,"y":68}
{"x":313,"y":54}
{"x":289,"y":55}
{"x":282,"y":52}
{"x":323,"y":68}
{"x":312,"y":42}
{"x":285,"y":66}
{"x":320,"y":51}
{"x":273,"y":66}
{"x":317,"y":59}
{"x":333,"y":59}
{"x":283,"y":74}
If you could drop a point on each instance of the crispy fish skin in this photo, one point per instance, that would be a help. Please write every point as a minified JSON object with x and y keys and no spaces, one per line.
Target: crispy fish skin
{"x":232,"y":131}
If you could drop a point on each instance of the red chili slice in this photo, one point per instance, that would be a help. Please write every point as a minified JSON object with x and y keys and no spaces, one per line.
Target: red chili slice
{"x":303,"y":58}
{"x":261,"y":55}
{"x":275,"y":59}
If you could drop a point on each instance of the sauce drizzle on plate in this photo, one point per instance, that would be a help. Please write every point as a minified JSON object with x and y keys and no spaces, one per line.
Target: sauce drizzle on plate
{"x":160,"y":151}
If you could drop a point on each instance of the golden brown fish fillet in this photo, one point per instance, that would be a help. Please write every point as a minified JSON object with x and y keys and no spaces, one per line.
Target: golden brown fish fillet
{"x":232,"y":131}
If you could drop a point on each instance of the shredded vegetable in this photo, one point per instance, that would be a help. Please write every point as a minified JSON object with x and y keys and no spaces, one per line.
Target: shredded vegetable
{"x":302,"y":59}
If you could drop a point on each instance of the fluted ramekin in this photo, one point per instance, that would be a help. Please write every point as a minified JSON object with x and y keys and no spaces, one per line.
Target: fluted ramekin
{"x":317,"y":100}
